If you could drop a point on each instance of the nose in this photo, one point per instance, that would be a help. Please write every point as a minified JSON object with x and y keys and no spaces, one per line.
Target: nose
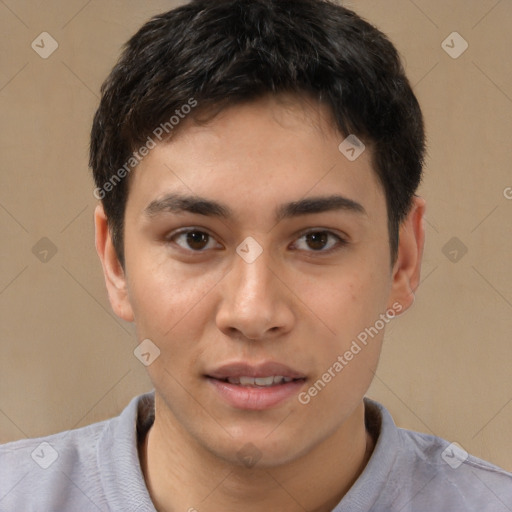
{"x":255,"y":303}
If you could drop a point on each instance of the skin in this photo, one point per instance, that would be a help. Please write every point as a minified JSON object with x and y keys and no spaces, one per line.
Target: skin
{"x":294,"y":304}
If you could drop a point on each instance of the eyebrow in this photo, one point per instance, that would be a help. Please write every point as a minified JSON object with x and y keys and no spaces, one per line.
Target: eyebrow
{"x":176,"y":203}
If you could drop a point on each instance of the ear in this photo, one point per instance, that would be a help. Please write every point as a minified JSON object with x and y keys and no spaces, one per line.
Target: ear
{"x":112,"y":270}
{"x":406,"y":270}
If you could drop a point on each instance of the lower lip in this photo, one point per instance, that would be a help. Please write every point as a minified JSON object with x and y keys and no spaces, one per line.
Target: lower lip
{"x":254,"y":398}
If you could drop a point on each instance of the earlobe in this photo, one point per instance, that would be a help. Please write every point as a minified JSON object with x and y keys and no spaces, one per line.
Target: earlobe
{"x":113,"y":271}
{"x":407,"y":268}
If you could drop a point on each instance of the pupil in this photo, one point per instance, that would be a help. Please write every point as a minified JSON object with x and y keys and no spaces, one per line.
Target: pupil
{"x":196,"y":239}
{"x":317,"y":240}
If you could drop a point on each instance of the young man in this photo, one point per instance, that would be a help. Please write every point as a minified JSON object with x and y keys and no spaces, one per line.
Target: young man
{"x":256,"y":162}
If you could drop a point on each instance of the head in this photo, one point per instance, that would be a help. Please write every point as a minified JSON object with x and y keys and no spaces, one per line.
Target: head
{"x":227,"y":116}
{"x":209,"y":55}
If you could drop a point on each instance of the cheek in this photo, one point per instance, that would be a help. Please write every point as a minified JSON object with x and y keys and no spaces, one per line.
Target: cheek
{"x":352,"y":302}
{"x":170,"y":309}
{"x":166,"y":296}
{"x":346,"y":361}
{"x":352,"y":307}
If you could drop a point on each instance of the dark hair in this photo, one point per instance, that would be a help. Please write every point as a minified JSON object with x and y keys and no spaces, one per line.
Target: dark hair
{"x":219,"y":53}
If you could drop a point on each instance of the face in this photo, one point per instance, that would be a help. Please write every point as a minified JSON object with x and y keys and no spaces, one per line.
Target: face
{"x":255,"y":249}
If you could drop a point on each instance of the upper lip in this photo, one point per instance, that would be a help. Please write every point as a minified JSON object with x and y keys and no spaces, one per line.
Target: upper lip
{"x":243,"y":369}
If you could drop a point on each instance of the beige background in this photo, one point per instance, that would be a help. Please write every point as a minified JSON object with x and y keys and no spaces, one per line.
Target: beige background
{"x":67,"y":362}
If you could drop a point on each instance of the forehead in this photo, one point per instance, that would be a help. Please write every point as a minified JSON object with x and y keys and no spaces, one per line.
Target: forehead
{"x":268,"y":151}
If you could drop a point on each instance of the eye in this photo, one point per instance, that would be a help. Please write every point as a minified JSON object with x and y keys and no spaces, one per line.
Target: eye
{"x":320,"y":241}
{"x":193,"y":239}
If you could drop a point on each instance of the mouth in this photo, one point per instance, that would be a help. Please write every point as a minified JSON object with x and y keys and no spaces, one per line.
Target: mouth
{"x":259,"y":382}
{"x":255,"y":387}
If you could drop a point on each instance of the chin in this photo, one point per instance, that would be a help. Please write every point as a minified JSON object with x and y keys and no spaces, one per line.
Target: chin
{"x":255,"y":450}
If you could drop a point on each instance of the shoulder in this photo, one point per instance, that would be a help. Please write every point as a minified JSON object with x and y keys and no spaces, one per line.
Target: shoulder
{"x":91,"y":468}
{"x":414,"y":472}
{"x":63,"y":466}
{"x":450,"y":477}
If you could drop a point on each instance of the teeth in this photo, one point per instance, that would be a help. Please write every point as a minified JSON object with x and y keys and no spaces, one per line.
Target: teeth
{"x":264,"y":381}
{"x":259,"y":381}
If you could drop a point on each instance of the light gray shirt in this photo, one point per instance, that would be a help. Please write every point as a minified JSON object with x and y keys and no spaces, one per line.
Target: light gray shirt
{"x":97,"y":468}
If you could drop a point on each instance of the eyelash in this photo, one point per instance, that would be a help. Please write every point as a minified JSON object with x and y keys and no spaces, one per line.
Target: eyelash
{"x":341,"y":242}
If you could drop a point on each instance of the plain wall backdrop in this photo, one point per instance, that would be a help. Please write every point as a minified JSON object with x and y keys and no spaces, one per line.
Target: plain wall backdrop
{"x":67,"y":361}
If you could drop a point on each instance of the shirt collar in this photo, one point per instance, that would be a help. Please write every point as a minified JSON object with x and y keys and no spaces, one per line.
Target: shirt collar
{"x":124,"y":483}
{"x":370,"y":485}
{"x":118,"y":459}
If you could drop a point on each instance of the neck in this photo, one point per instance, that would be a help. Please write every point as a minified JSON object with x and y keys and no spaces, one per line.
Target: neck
{"x":182,"y":475}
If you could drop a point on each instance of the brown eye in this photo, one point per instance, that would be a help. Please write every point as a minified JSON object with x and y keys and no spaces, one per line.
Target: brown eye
{"x":197,"y":240}
{"x":317,"y":241}
{"x":192,"y":239}
{"x":320,"y":241}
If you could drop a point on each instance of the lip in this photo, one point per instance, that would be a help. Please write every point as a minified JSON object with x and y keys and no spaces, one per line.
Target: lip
{"x":242,"y":369}
{"x":255,"y":398}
